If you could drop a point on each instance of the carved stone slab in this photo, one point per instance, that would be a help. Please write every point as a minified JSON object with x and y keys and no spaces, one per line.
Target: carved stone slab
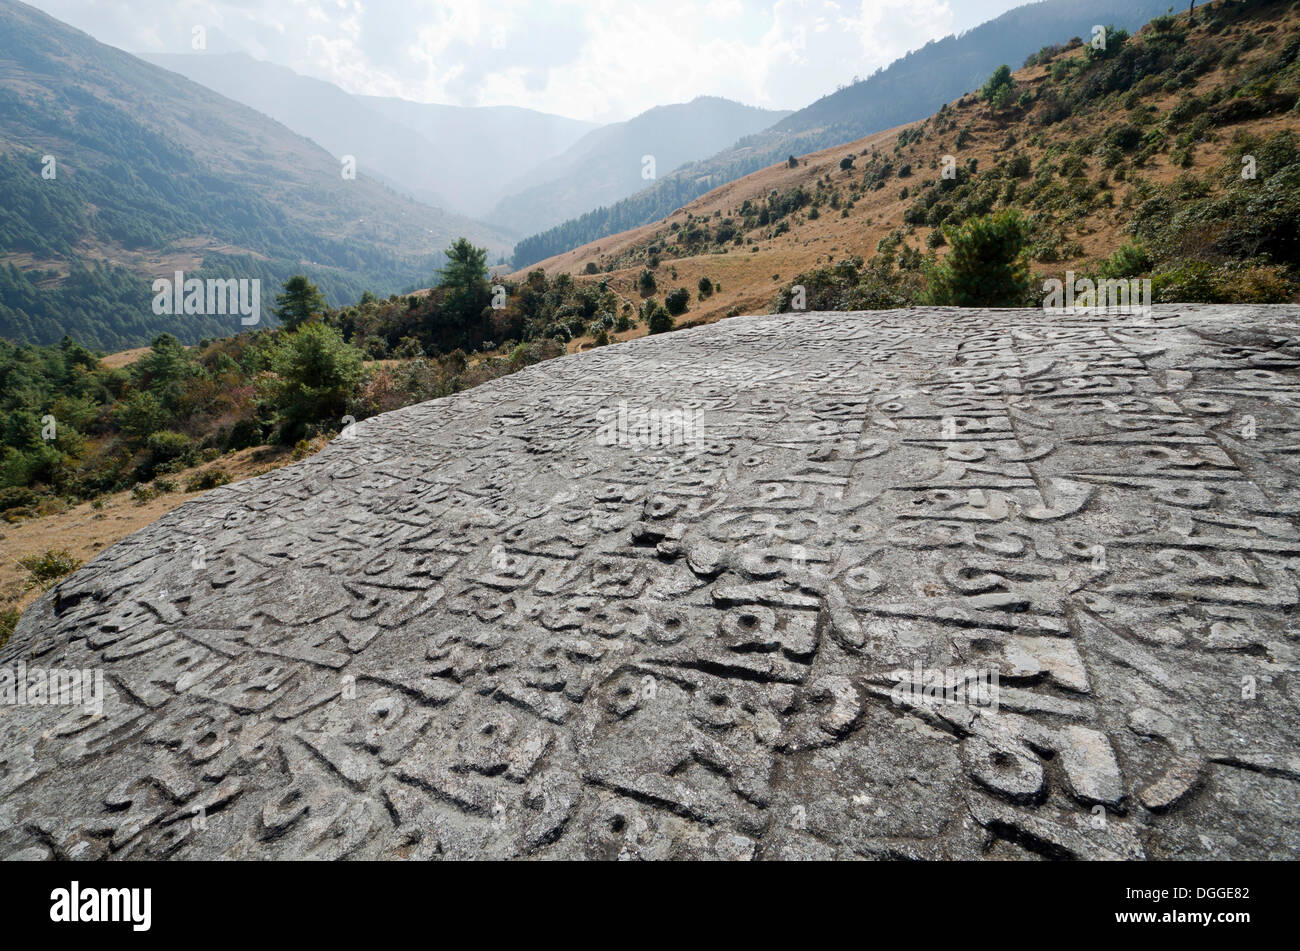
{"x":726,"y":592}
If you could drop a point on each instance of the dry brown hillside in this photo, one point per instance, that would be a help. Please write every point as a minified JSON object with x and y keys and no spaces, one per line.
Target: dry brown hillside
{"x":750,"y":273}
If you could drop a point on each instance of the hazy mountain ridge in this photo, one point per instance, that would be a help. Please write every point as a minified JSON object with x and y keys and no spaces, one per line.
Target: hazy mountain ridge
{"x":608,"y":164}
{"x":454,"y":157}
{"x":155,"y":173}
{"x":485,"y":154}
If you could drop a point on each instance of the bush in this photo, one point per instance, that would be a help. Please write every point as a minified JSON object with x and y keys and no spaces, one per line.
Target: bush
{"x":1204,"y":283}
{"x":167,"y":446}
{"x":138,"y":416}
{"x":49,"y":566}
{"x":1130,"y":260}
{"x":987,"y":266}
{"x":660,"y":320}
{"x":1124,"y":136}
{"x":8,"y":621}
{"x":202,"y":481}
{"x":677,"y":301}
{"x":14,"y":497}
{"x":1001,"y":77}
{"x":317,"y":373}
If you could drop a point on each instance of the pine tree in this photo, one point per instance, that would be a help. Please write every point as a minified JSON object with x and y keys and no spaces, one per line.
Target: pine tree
{"x":300,"y":302}
{"x":987,"y":266}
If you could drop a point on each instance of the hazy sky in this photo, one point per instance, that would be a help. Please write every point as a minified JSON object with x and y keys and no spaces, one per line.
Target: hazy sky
{"x":590,"y":59}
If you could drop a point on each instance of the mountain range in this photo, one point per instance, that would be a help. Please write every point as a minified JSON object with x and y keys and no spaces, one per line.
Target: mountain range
{"x":221,"y":165}
{"x":453,"y":157}
{"x":616,"y":160}
{"x":468,"y":159}
{"x":911,"y":88}
{"x":116,"y":172}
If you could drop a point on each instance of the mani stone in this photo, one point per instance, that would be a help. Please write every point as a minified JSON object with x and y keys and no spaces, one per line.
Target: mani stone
{"x":935,"y":583}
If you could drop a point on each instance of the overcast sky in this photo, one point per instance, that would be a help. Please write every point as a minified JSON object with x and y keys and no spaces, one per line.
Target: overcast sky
{"x":601,"y":60}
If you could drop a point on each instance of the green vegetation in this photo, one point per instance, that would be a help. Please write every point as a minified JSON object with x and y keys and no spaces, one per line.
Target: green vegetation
{"x":300,"y":302}
{"x":986,"y":266}
{"x":677,"y":302}
{"x":1228,"y":233}
{"x":660,"y":320}
{"x":315,"y":374}
{"x":49,"y":566}
{"x":108,"y":305}
{"x":8,"y":621}
{"x":74,"y":429}
{"x":997,"y":92}
{"x":853,"y":284}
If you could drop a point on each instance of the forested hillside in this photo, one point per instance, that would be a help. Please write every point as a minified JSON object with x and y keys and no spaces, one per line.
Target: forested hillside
{"x":148,"y":173}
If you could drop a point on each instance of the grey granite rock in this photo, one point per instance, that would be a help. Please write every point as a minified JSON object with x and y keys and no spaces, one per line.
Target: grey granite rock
{"x":928,"y":584}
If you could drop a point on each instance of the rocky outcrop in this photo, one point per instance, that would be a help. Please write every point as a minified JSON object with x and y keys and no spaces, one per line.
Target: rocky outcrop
{"x":935,"y":584}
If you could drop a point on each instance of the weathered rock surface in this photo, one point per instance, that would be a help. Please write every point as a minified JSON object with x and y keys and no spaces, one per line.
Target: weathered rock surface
{"x":518,"y":622}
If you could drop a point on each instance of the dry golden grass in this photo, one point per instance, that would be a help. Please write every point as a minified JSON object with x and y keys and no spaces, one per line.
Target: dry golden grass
{"x":751,"y":278}
{"x":84,"y":531}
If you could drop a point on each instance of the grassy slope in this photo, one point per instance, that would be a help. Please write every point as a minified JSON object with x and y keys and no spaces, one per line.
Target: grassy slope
{"x":751,"y":278}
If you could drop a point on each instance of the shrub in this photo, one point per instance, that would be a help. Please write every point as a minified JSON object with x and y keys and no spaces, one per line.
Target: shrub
{"x":999,"y":81}
{"x":1192,"y":282}
{"x":677,"y":301}
{"x":139,"y":415}
{"x":1129,"y":260}
{"x":987,"y":265}
{"x":660,"y":320}
{"x":49,"y":566}
{"x":167,"y":446}
{"x":317,"y":373}
{"x":14,"y":497}
{"x":202,"y":481}
{"x":1124,"y":136}
{"x":8,"y":621}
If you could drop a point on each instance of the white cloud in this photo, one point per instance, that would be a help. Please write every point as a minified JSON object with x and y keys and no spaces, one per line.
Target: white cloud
{"x":594,"y":59}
